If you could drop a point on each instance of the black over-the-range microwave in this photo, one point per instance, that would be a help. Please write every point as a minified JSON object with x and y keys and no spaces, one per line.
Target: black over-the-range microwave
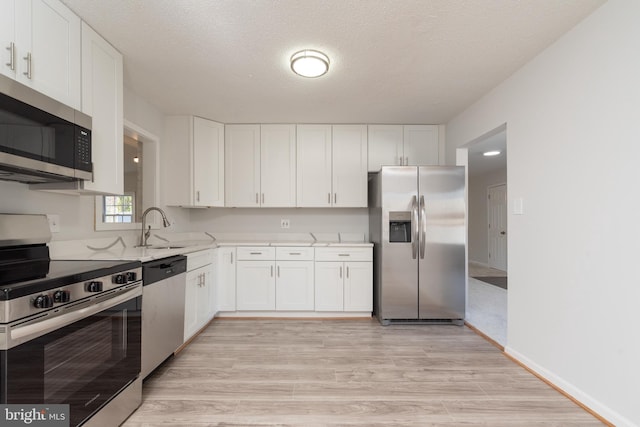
{"x":41,"y":139}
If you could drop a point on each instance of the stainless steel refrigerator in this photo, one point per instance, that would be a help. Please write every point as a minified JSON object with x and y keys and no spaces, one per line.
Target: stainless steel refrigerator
{"x":417,"y":224}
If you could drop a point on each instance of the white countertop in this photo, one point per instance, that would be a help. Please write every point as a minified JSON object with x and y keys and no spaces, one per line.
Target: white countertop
{"x":178,"y":244}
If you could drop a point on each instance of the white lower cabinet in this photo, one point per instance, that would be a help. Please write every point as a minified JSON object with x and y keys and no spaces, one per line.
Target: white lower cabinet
{"x":199,"y":292}
{"x":256,"y":285}
{"x":344,"y":285}
{"x":294,"y":279}
{"x":225,"y":266}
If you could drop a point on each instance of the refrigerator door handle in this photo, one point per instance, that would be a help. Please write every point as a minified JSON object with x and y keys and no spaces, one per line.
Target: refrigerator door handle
{"x":414,"y":227}
{"x":423,"y":227}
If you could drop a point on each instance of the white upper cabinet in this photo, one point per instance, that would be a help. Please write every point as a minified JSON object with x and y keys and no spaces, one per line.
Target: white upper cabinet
{"x":242,"y":165}
{"x":314,"y":186}
{"x":41,"y":47}
{"x":260,"y":165}
{"x":332,"y":165}
{"x":102,"y":94}
{"x":421,"y":145}
{"x":402,"y":145}
{"x":8,"y":61}
{"x":193,"y":162}
{"x":349,"y":166}
{"x":278,"y":165}
{"x":385,"y":146}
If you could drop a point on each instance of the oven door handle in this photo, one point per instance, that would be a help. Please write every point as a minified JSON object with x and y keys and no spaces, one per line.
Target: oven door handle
{"x":37,"y":327}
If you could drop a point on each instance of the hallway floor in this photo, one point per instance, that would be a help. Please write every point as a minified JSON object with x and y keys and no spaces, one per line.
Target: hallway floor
{"x":487,"y":304}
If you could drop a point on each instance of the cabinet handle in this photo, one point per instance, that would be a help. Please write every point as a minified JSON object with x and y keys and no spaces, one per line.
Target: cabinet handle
{"x":400,"y":160}
{"x":272,"y":271}
{"x":263,"y":198}
{"x":255,"y":253}
{"x":347,"y":272}
{"x":28,"y":59}
{"x":335,"y":198}
{"x":329,"y":198}
{"x":231,"y":257}
{"x":197,"y":196}
{"x":257,"y":199}
{"x":278,"y":271}
{"x":295,"y":253}
{"x":341,"y":272}
{"x":12,"y":57}
{"x":406,"y":161}
{"x":343,"y":254}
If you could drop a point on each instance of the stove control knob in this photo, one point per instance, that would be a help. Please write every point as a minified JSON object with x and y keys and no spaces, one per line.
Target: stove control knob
{"x":119,"y":279}
{"x":42,"y":301}
{"x":131,"y":276}
{"x":94,"y":286}
{"x":61,"y":296}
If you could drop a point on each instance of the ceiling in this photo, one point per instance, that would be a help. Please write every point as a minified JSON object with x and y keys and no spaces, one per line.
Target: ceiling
{"x":392,"y":61}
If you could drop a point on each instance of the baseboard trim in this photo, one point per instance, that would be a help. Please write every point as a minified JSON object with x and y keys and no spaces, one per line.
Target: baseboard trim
{"x":571,"y":392}
{"x":526,"y":364}
{"x":485,"y":336}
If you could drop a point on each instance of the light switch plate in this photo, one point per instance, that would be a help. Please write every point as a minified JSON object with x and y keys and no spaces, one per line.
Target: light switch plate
{"x":518,"y":206}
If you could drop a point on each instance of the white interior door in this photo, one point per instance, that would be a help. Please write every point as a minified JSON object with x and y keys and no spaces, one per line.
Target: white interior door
{"x":497,"y":226}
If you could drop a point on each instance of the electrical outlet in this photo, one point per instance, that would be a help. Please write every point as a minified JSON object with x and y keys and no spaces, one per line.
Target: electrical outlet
{"x":54,"y":223}
{"x":284,"y":223}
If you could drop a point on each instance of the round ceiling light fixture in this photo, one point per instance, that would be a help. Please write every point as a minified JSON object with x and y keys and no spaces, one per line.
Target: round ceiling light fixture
{"x":491,"y":153}
{"x":309,"y":63}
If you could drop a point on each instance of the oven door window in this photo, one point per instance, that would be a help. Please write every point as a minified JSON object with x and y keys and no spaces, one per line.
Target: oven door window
{"x":84,"y":364}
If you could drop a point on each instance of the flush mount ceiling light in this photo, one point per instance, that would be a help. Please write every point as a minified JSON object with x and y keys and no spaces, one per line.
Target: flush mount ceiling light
{"x":491,"y":153}
{"x":309,"y":63}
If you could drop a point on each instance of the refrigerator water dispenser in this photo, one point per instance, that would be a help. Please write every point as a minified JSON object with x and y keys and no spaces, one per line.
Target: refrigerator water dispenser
{"x":400,"y":227}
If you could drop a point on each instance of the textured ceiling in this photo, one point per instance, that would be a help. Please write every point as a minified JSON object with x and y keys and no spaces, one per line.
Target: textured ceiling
{"x":392,"y":61}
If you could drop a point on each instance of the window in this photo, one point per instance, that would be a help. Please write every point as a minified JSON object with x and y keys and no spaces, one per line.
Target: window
{"x":118,"y":208}
{"x":141,"y":177}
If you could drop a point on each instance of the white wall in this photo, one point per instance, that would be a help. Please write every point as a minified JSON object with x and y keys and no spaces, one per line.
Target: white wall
{"x":478,"y":232}
{"x":267,"y":220}
{"x":574,"y":143}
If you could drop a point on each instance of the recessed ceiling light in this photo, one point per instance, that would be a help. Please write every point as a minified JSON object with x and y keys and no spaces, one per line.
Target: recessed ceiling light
{"x":491,"y":153}
{"x":309,"y":63}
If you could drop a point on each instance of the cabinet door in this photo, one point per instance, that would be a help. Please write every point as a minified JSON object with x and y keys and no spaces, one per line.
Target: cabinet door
{"x":278,"y":165}
{"x":421,"y":145}
{"x":385,"y":146}
{"x":294,"y":285}
{"x":314,"y":166}
{"x":329,"y":289}
{"x":226,"y":279}
{"x":8,"y":63}
{"x":191,"y":303}
{"x":102,"y":94}
{"x":50,"y":33}
{"x":358,"y":286}
{"x":349,"y":166}
{"x":208,"y":163}
{"x":256,"y":285}
{"x":242,"y":165}
{"x":206,"y":297}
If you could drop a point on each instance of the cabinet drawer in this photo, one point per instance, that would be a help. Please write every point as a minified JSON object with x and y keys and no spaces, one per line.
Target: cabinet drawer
{"x":199,"y":259}
{"x":256,"y":253}
{"x":344,"y":254}
{"x":294,"y":253}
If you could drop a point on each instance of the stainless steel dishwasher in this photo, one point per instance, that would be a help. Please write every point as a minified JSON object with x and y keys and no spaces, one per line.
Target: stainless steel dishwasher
{"x":164,"y":283}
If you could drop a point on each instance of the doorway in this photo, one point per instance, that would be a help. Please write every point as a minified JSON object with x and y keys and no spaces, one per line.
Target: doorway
{"x":487,"y":246}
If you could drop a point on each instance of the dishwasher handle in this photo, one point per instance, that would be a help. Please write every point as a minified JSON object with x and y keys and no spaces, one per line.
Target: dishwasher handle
{"x":160,"y":269}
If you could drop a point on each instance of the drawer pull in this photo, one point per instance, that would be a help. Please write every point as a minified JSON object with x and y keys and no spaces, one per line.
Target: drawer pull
{"x":295,"y":253}
{"x":255,"y":253}
{"x":344,"y":254}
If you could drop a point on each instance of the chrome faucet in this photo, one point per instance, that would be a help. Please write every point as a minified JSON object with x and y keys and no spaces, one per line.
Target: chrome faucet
{"x":146,"y":233}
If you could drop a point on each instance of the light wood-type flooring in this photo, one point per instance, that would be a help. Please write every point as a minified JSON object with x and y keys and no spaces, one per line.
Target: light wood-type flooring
{"x":347,"y":373}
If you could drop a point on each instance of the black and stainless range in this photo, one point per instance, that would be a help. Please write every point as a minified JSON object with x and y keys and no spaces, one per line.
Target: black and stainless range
{"x":70,"y":331}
